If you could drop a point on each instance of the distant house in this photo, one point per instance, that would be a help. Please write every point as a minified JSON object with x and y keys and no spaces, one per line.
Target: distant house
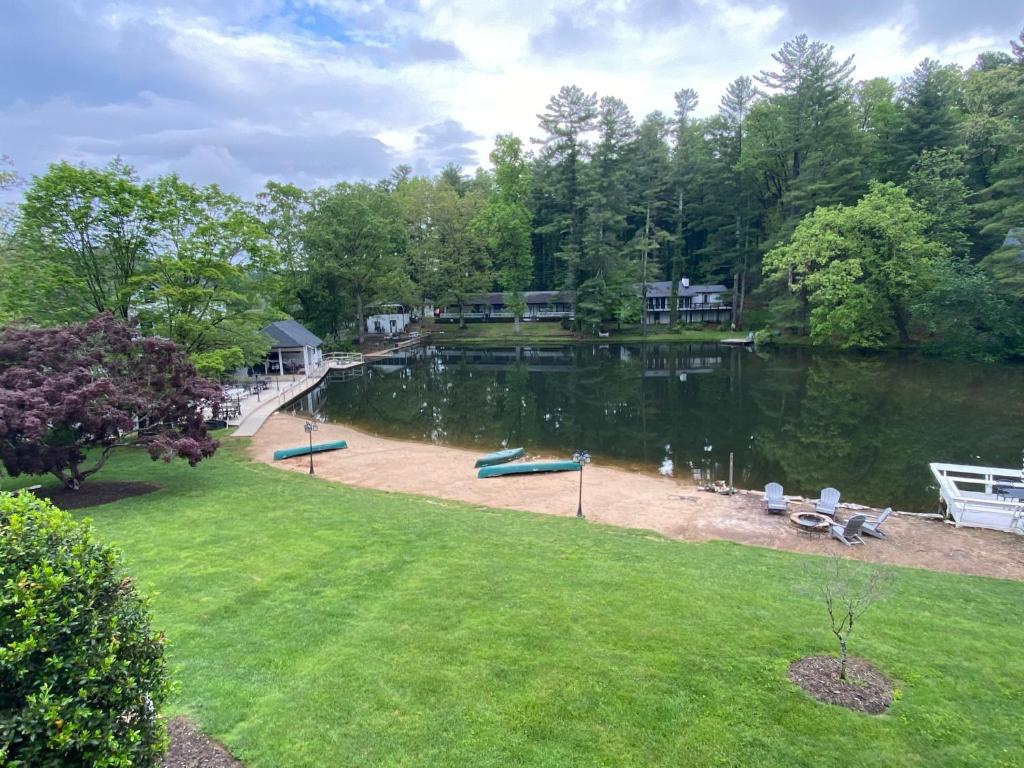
{"x":1014,"y":241}
{"x":697,"y":303}
{"x":540,"y":305}
{"x":294,"y":349}
{"x":388,"y":318}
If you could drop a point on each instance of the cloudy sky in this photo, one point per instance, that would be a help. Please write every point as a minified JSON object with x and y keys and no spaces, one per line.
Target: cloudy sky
{"x":314,"y":91}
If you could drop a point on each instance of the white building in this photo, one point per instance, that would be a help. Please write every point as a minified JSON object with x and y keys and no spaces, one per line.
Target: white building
{"x":388,"y":319}
{"x":294,"y":349}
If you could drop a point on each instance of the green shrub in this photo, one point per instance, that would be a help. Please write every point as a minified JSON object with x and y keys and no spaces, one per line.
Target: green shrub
{"x":82,"y":674}
{"x":764,"y":338}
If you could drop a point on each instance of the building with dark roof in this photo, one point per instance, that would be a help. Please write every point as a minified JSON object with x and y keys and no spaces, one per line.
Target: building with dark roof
{"x":696,"y":303}
{"x":294,"y":349}
{"x":540,"y":305}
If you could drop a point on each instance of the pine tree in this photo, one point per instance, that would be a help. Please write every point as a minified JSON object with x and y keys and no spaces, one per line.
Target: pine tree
{"x":604,"y":270}
{"x":651,"y":179}
{"x":819,"y":140}
{"x":931,"y":99}
{"x":1001,"y":204}
{"x":570,"y":117}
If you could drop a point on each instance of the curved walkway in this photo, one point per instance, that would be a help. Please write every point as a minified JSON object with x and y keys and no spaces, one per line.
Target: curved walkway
{"x":630,"y":499}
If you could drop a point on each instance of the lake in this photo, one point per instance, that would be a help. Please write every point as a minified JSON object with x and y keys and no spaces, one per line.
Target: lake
{"x":866,"y":424}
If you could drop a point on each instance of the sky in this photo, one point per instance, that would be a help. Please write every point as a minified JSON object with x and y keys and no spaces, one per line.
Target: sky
{"x":318,"y":91}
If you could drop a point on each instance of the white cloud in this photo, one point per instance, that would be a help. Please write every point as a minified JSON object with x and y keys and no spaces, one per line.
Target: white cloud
{"x":319,"y":90}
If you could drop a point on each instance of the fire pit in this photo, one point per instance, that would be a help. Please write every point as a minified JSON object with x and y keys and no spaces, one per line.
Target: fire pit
{"x":811,"y":522}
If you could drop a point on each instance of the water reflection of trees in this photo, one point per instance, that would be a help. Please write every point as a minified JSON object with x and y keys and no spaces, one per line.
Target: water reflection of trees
{"x":867,"y":425}
{"x":870,"y":426}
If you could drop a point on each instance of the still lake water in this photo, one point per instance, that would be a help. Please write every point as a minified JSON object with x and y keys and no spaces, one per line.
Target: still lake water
{"x":868,"y":425}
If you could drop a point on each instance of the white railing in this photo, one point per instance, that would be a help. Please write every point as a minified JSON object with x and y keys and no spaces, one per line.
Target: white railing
{"x":978,"y":505}
{"x":297,"y":385}
{"x":342,"y":358}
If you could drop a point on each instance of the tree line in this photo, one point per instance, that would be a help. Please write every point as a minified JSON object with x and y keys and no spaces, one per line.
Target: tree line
{"x":863,"y":214}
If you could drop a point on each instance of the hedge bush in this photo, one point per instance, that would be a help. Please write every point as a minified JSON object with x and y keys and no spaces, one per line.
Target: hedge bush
{"x":82,"y":673}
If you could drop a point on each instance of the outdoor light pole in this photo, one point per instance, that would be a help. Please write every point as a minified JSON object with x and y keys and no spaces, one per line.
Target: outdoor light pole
{"x":310,"y":428}
{"x":581,"y":458}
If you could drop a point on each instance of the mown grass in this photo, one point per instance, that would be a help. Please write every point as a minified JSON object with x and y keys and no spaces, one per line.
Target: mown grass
{"x":553,"y":333}
{"x":311,"y":624}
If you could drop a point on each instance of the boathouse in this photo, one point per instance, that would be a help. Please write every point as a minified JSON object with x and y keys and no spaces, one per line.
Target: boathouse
{"x":294,"y":349}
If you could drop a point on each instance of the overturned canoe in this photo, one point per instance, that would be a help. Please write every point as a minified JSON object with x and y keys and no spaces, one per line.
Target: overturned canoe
{"x":288,"y":453}
{"x":500,"y":457}
{"x":529,"y":467}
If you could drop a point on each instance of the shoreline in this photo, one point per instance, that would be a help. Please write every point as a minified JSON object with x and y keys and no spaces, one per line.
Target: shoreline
{"x":615,"y":496}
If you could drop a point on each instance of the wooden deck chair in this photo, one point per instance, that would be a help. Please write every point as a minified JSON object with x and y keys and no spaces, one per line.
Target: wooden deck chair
{"x":872,"y":524}
{"x":774,"y":501}
{"x":848,"y":532}
{"x":827,"y":502}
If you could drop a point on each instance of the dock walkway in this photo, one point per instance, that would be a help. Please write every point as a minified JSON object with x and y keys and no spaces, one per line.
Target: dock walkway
{"x":256,"y":410}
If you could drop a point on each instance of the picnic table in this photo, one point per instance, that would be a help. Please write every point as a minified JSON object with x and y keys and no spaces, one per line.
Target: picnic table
{"x":1010,"y":492}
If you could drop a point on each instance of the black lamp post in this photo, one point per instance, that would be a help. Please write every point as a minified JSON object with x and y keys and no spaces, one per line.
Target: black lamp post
{"x":581,"y":458}
{"x":310,"y":428}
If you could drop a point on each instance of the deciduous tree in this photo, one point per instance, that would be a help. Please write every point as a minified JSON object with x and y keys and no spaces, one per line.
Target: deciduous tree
{"x":353,"y":238}
{"x":507,"y":223}
{"x":69,"y":395}
{"x":860,"y":267}
{"x":88,"y":230}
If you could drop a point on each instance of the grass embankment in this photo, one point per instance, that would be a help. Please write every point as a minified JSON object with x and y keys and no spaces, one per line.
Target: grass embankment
{"x":312,"y":624}
{"x":553,"y":333}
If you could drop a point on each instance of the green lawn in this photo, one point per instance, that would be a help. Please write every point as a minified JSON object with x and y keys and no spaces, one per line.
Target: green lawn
{"x":553,"y":333}
{"x":500,"y":333}
{"x":317,"y":625}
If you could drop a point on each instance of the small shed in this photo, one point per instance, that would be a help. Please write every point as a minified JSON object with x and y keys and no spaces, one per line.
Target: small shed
{"x":388,"y":319}
{"x":294,"y":348}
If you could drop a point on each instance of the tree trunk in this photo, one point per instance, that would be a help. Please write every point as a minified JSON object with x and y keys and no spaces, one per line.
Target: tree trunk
{"x":643,"y":283}
{"x":899,"y":316}
{"x":517,"y":322}
{"x":73,"y":479}
{"x":677,"y":253}
{"x":462,"y":316}
{"x":735,"y":301}
{"x":743,"y":296}
{"x":360,"y":322}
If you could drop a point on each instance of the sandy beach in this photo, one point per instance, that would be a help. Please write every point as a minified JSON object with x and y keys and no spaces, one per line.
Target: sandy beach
{"x":614,"y":496}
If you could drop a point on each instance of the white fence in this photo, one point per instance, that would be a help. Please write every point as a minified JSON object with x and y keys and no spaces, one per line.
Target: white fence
{"x":972,"y":499}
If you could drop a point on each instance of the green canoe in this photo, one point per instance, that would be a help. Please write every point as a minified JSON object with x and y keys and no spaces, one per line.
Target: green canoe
{"x":500,"y":457}
{"x":287,"y":453}
{"x":529,"y":467}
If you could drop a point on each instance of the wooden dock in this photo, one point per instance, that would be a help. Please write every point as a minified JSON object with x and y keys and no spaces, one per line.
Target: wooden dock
{"x":255,"y":411}
{"x":982,"y":497}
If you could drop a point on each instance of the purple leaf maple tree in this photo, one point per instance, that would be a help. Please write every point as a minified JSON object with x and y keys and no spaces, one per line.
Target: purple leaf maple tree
{"x":71,"y":394}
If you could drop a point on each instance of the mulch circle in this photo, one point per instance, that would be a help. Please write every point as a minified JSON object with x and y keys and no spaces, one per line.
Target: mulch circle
{"x":865,"y":688}
{"x":191,"y":749}
{"x":92,"y":494}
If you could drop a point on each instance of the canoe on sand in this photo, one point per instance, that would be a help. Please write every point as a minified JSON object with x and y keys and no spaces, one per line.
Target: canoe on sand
{"x":529,"y":467}
{"x":287,"y":453}
{"x":500,"y":457}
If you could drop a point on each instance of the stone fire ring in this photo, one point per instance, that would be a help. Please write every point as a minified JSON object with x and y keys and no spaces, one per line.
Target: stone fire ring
{"x":810,"y":521}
